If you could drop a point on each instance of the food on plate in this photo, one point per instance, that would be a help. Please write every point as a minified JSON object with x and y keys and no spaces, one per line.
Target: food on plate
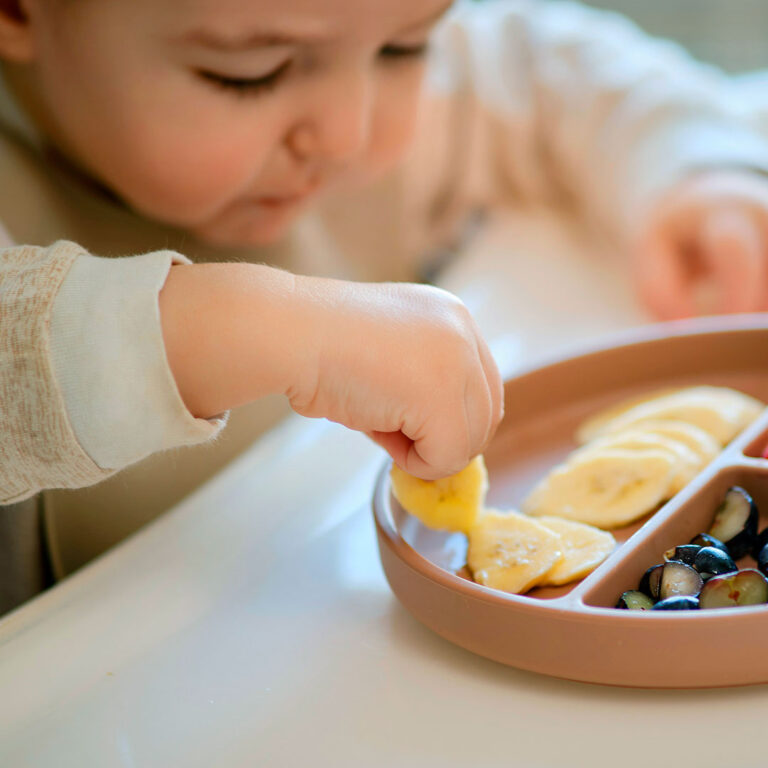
{"x":507,"y":550}
{"x":590,"y":428}
{"x":700,"y":442}
{"x":608,"y":488}
{"x":635,"y":600}
{"x":705,"y":571}
{"x":719,"y":411}
{"x":584,"y":547}
{"x":735,"y":522}
{"x":705,"y":540}
{"x":450,"y":504}
{"x":685,"y":553}
{"x":677,"y":603}
{"x":745,"y":587}
{"x":510,"y":551}
{"x":634,"y":456}
{"x":686,"y":463}
{"x":618,"y":475}
{"x":711,"y":561}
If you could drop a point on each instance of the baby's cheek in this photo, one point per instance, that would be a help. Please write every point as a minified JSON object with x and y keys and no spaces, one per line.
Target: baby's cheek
{"x":393,"y":127}
{"x":180,"y":181}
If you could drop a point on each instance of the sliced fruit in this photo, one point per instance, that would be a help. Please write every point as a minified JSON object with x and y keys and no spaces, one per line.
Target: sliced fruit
{"x":583,"y":546}
{"x":700,"y":442}
{"x":511,"y":552}
{"x":634,"y":600}
{"x":451,"y":504}
{"x":735,"y":522}
{"x":705,"y":540}
{"x":719,"y":411}
{"x":711,"y":561}
{"x":677,"y":603}
{"x":678,"y":579}
{"x":762,"y":560}
{"x":760,"y":542}
{"x":687,"y":463}
{"x":650,"y":581}
{"x":685,"y":553}
{"x":607,"y":488}
{"x":594,"y":425}
{"x":746,"y":587}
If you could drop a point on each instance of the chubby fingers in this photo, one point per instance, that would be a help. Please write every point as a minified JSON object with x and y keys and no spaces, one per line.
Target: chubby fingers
{"x":734,"y":252}
{"x":663,"y":278}
{"x":455,"y":425}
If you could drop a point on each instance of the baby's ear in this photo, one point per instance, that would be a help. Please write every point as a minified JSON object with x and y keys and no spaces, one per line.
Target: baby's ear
{"x":16,"y":39}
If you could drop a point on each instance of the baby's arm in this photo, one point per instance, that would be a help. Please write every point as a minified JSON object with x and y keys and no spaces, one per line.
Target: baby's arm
{"x":104,"y":361}
{"x":403,"y":363}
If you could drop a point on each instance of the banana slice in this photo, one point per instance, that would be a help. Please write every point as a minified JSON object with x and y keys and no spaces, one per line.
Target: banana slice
{"x":607,"y":488}
{"x":700,"y":442}
{"x":719,"y":411}
{"x":451,"y":504}
{"x":511,"y":552}
{"x":594,"y":425}
{"x":584,"y":547}
{"x":687,"y":463}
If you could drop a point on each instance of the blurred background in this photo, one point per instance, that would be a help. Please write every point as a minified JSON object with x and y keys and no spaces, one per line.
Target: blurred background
{"x":733,"y":34}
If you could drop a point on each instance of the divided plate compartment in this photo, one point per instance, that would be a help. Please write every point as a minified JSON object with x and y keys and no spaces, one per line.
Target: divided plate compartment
{"x":574,"y":631}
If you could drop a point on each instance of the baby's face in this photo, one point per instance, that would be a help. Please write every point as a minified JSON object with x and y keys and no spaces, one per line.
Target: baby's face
{"x":226,"y":117}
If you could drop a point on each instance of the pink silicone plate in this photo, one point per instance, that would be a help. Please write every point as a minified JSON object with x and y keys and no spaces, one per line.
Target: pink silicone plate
{"x":573,"y":631}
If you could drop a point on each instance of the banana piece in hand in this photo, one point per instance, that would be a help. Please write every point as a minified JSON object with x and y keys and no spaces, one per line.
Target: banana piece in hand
{"x":584,"y":547}
{"x":450,"y":504}
{"x":607,"y":488}
{"x":511,"y":552}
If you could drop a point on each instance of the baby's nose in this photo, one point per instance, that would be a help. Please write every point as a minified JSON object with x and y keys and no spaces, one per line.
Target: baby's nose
{"x":339,"y":126}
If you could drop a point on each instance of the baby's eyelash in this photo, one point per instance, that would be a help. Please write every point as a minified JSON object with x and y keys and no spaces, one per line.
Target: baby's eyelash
{"x":244,"y":85}
{"x":403,"y":51}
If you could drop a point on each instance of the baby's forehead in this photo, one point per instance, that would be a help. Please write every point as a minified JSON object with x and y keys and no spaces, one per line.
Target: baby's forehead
{"x":302,"y":20}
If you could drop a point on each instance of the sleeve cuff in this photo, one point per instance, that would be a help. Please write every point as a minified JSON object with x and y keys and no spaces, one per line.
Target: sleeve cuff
{"x":108,"y":356}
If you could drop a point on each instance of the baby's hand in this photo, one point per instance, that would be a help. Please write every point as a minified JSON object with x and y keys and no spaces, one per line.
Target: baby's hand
{"x":403,"y":363}
{"x":704,"y":249}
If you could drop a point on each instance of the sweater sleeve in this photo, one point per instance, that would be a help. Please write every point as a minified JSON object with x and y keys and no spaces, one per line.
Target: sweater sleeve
{"x":84,"y":381}
{"x":552,"y":101}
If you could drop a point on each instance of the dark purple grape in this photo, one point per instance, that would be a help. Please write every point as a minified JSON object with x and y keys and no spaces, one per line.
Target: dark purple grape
{"x":634,"y":600}
{"x":649,"y":583}
{"x":705,"y":540}
{"x":762,"y":560}
{"x":735,"y":522}
{"x":746,"y":587}
{"x":711,"y":561}
{"x":760,"y":542}
{"x":677,"y":603}
{"x":685,"y":553}
{"x":679,"y":579}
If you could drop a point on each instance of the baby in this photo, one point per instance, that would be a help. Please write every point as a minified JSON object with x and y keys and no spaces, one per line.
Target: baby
{"x":209,"y":128}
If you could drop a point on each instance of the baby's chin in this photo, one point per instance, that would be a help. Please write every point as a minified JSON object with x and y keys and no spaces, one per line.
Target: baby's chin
{"x":246,"y":231}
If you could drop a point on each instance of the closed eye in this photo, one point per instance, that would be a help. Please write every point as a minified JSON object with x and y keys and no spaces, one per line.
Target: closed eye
{"x":246,"y":85}
{"x":403,"y":51}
